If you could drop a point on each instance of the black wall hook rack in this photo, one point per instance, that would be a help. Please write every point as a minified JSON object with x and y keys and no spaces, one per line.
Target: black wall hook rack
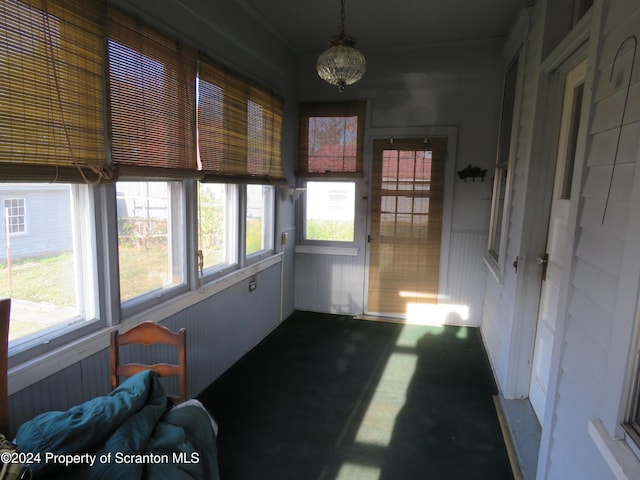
{"x":472,"y":173}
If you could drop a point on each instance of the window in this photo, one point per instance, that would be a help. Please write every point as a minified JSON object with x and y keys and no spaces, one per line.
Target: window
{"x":503,"y":165}
{"x":331,"y":139}
{"x":329,"y":211}
{"x":217,"y":226}
{"x":150,"y":239}
{"x":74,"y":248}
{"x":563,"y":17}
{"x":580,"y":7}
{"x":631,"y":423}
{"x":632,"y":426}
{"x":259,"y":219}
{"x":49,"y":269}
{"x":14,"y":216}
{"x":331,"y":144}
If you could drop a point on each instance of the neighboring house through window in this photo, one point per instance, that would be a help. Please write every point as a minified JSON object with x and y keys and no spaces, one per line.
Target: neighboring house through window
{"x":15,"y":216}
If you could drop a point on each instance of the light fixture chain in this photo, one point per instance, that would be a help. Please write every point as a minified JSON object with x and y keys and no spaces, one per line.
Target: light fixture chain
{"x":342,"y":16}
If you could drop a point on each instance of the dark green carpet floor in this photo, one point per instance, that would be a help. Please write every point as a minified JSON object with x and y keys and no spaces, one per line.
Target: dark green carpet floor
{"x":329,"y":397}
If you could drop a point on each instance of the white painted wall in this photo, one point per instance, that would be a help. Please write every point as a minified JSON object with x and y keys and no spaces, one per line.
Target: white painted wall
{"x":458,"y":85}
{"x":593,"y":355}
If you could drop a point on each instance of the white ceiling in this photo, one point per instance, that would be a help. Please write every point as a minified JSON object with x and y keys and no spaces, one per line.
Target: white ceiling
{"x":306,"y":25}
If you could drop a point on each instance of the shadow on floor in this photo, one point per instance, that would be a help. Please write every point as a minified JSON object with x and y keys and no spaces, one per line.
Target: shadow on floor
{"x":329,"y":397}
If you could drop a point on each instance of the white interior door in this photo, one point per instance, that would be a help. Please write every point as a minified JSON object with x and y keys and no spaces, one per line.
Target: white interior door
{"x":552,"y":262}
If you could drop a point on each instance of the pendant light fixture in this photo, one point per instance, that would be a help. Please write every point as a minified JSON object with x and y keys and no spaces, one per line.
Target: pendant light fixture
{"x":341,"y":64}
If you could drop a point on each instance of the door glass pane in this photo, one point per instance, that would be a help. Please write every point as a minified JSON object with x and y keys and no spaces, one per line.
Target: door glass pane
{"x":572,"y":142}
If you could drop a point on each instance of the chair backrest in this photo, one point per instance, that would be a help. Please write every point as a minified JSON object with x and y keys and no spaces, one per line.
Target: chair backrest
{"x":150,"y":333}
{"x":5,"y":310}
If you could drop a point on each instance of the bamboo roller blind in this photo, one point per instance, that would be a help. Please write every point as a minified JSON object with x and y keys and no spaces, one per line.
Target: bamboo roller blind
{"x":239,"y":126}
{"x":51,"y":56}
{"x":331,"y":139}
{"x":406,"y":216}
{"x":52,"y":107}
{"x":152,"y":95}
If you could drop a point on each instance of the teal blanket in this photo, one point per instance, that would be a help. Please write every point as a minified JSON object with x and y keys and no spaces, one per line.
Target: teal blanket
{"x":128,"y":434}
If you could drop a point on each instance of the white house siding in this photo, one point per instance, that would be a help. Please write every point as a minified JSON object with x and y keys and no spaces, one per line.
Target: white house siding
{"x":47,"y":221}
{"x":594,"y":299}
{"x":584,"y":345}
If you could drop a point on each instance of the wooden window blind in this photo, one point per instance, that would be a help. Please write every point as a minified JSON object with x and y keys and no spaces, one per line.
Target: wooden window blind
{"x":331,"y":139}
{"x":407,"y":194}
{"x":239,"y":128}
{"x":51,"y":104}
{"x":152,"y":101}
{"x":264,"y":133}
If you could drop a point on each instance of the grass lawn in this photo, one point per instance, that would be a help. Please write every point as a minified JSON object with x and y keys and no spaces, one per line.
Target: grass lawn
{"x":44,"y":280}
{"x":43,"y":290}
{"x":142,"y":270}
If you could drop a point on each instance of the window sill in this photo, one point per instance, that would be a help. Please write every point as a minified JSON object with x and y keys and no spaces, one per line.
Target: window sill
{"x":492,"y":267}
{"x":28,"y":373}
{"x":321,"y":250}
{"x":621,"y":460}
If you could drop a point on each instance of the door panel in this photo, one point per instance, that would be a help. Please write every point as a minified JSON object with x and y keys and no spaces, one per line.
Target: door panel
{"x":406,"y":223}
{"x":556,"y":239}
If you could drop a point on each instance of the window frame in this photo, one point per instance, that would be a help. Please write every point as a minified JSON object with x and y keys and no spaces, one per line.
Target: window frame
{"x":99,"y":240}
{"x":268,"y":230}
{"x":631,"y":414}
{"x":23,"y":215}
{"x":302,"y":215}
{"x":89,"y":292}
{"x":232,"y":227}
{"x":505,"y":163}
{"x":177,"y":241}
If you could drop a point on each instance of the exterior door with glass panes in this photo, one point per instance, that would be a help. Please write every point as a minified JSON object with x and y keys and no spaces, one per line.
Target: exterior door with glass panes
{"x":407,"y":189}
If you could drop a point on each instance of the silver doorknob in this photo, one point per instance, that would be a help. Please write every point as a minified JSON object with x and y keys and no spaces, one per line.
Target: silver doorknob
{"x":542,"y":260}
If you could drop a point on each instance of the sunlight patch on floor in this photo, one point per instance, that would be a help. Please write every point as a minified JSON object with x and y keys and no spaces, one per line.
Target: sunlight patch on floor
{"x":379,"y":421}
{"x":435,"y":313}
{"x":352,"y":471}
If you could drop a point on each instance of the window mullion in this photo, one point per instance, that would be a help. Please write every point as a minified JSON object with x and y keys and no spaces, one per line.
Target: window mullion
{"x":191,"y":233}
{"x":106,"y":240}
{"x":242,"y":225}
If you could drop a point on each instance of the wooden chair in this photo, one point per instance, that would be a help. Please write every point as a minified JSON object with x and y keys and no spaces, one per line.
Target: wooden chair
{"x":150,"y":333}
{"x":5,"y":310}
